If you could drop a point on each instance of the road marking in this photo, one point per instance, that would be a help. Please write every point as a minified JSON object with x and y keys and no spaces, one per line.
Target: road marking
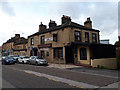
{"x":64,"y":80}
{"x":37,"y":75}
{"x":53,"y":79}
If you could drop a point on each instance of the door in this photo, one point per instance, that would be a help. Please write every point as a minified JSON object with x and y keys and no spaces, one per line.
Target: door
{"x":69,"y":55}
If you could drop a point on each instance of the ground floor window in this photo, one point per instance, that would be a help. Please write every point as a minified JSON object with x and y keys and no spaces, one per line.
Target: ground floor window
{"x":42,"y":54}
{"x":83,"y":54}
{"x":58,"y":53}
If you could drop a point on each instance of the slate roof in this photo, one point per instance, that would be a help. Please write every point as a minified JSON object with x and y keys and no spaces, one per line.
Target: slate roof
{"x":67,"y":24}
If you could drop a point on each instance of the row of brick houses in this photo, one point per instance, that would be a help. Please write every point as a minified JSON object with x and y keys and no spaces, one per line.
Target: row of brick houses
{"x":15,"y":46}
{"x":66,"y":43}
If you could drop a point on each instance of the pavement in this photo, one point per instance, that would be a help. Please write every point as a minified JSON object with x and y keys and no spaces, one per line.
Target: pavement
{"x":63,"y":66}
{"x":95,"y":71}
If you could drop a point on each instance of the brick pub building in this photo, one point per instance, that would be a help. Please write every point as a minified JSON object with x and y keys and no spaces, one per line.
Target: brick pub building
{"x":68,"y":43}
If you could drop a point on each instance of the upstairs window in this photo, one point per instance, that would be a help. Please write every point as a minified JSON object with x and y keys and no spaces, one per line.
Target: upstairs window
{"x":77,"y":36}
{"x":42,"y":39}
{"x":86,"y":37}
{"x":94,"y":38}
{"x":32,"y":41}
{"x":55,"y":37}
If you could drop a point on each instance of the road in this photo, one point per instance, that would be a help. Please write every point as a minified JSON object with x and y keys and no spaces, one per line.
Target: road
{"x":31,"y":76}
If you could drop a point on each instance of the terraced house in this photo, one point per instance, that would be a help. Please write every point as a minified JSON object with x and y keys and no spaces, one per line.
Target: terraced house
{"x":68,"y":43}
{"x":15,"y":46}
{"x":20,"y":47}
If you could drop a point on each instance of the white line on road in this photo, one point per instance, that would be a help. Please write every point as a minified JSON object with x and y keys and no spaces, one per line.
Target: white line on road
{"x":64,"y":80}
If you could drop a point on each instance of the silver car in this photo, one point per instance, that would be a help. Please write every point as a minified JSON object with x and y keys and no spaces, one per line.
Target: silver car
{"x":37,"y":60}
{"x":23,"y":59}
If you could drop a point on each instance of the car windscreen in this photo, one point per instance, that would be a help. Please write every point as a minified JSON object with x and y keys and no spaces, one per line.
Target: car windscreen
{"x":25,"y":57}
{"x":39,"y":58}
{"x":9,"y":58}
{"x":16,"y":56}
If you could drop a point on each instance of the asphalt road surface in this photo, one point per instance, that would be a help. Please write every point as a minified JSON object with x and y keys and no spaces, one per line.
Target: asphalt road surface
{"x":31,"y":76}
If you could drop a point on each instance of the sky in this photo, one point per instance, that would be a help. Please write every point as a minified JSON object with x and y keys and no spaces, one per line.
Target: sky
{"x":24,"y":16}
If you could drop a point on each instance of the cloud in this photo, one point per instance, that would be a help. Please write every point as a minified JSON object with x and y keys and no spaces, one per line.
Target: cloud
{"x":7,"y":8}
{"x":29,"y":15}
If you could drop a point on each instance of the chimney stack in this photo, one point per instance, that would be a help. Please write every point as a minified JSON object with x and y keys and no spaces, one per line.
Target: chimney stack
{"x":88,"y":23}
{"x":65,"y":19}
{"x":17,"y":35}
{"x":52,"y":24}
{"x":42,"y":27}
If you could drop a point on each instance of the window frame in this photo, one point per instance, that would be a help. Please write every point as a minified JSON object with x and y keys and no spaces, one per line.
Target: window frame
{"x":94,"y":38}
{"x":32,"y":41}
{"x":55,"y":37}
{"x":42,"y":40}
{"x":83,"y":57}
{"x":58,"y":53}
{"x":77,"y":36}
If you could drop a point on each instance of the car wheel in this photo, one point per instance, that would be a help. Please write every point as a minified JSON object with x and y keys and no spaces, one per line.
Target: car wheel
{"x":36,"y":63}
{"x":29,"y":63}
{"x":23,"y":62}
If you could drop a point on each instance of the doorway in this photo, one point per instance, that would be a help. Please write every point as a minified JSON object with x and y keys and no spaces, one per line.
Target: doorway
{"x":69,"y":55}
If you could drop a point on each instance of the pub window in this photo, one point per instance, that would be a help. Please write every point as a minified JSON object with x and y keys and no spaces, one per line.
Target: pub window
{"x":42,"y":39}
{"x":86,"y":37}
{"x":58,"y":53}
{"x":32,"y":41}
{"x":55,"y":37}
{"x":77,"y":36}
{"x":94,"y":38}
{"x":42,"y":54}
{"x":47,"y":53}
{"x":83,"y":54}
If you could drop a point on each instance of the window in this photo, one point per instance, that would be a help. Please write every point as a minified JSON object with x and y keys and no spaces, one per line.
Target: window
{"x":24,"y":46}
{"x":47,"y":53}
{"x":42,"y":54}
{"x":55,"y":37}
{"x":32,"y":41}
{"x":77,"y":36}
{"x":86,"y":37}
{"x":58,"y":53}
{"x":94,"y":38}
{"x":42,"y":39}
{"x":83,"y":54}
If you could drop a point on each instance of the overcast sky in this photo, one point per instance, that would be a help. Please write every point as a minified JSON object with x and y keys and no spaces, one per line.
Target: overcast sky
{"x":23,"y":17}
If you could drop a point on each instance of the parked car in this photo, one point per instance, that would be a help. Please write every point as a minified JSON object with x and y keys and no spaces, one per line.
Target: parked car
{"x":15,"y":57}
{"x":37,"y":60}
{"x":8,"y":60}
{"x":23,"y":59}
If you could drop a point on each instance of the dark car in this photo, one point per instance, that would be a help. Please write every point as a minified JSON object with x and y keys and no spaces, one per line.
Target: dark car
{"x":8,"y":60}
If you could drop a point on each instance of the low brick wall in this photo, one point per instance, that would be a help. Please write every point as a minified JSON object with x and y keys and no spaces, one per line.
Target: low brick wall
{"x":110,"y":63}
